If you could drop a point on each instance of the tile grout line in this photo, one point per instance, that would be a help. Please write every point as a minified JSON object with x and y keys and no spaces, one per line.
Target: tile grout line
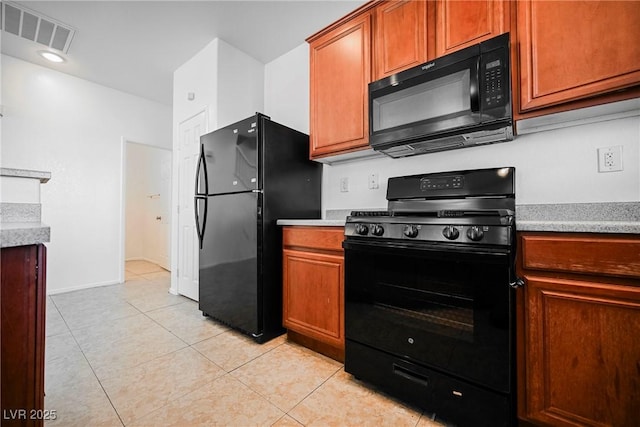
{"x":92,"y":368}
{"x":310,"y":393}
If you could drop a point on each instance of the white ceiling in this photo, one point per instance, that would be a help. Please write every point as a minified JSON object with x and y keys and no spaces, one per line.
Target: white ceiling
{"x":135,"y":46}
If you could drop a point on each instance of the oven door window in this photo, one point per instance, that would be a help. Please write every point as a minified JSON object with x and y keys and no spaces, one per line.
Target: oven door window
{"x":448,"y":310}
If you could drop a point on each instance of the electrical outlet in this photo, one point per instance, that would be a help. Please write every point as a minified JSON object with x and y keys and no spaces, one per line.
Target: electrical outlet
{"x":373,"y":181}
{"x":610,"y":159}
{"x":344,"y":185}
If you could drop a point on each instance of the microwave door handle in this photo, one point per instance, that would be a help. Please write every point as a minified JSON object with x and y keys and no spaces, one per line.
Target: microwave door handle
{"x":474,"y":86}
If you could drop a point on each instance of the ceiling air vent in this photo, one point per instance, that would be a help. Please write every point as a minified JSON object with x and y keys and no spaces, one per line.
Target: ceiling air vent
{"x":30,"y":25}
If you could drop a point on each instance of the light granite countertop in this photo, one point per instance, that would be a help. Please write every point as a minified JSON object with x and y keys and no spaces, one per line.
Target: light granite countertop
{"x":26,"y":173}
{"x":23,"y":233}
{"x":617,"y":217}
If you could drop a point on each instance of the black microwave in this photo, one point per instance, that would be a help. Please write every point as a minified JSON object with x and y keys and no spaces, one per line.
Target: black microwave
{"x":459,"y":100}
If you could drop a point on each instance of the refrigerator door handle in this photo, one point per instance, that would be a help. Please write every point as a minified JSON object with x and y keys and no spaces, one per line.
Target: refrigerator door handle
{"x":202,"y":163}
{"x":200,"y":230}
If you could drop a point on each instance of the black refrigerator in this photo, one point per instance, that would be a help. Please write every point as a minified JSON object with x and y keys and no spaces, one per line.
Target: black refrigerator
{"x":249,"y":175}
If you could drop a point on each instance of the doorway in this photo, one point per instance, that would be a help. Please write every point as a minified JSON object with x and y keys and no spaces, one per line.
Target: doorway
{"x":147,"y":203}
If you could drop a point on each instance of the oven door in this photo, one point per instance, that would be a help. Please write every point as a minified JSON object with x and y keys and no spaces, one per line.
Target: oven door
{"x":443,"y":306}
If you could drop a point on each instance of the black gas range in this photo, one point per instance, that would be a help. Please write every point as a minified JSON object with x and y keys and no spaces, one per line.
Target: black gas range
{"x":429,"y":294}
{"x":469,"y":207}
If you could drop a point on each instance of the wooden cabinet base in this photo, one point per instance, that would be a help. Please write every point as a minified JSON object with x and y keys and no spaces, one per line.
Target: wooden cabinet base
{"x":318,"y":346}
{"x":23,"y":314}
{"x":313,"y":288}
{"x":578,"y":327}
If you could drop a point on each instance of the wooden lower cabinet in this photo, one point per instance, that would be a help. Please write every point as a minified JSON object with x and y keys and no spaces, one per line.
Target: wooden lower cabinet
{"x":579,"y":329}
{"x":22,"y":330}
{"x":313,"y":288}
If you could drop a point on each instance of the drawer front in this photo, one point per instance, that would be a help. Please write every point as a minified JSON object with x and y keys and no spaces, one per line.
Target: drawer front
{"x":600,"y":255}
{"x":324,"y":238}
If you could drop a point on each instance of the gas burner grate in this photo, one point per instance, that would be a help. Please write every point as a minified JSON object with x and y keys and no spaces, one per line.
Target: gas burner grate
{"x":370,"y":213}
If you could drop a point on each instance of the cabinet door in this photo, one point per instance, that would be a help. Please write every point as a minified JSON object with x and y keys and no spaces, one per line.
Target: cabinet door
{"x":571,"y":50}
{"x":23,"y":297}
{"x":313,"y":298}
{"x":400,"y":36}
{"x":582,"y":353}
{"x":340,"y":71}
{"x":460,"y":24}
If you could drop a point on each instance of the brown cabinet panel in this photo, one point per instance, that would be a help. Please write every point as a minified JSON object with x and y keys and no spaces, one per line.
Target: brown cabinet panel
{"x":460,"y":24}
{"x":313,"y":288}
{"x":23,"y":314}
{"x":400,"y":37}
{"x":326,"y":238}
{"x":601,"y":255}
{"x":578,"y":321}
{"x":313,"y":299}
{"x":570,"y":50}
{"x":340,"y":71}
{"x":583,"y":353}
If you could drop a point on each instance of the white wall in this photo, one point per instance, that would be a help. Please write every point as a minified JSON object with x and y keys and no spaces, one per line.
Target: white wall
{"x":196,"y":76}
{"x":556,"y":166}
{"x":286,"y":89}
{"x":74,"y":128}
{"x":240,"y":85}
{"x":224,"y":80}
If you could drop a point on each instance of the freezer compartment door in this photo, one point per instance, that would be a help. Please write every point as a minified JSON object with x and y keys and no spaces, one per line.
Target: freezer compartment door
{"x":230,"y":159}
{"x":230,"y":290}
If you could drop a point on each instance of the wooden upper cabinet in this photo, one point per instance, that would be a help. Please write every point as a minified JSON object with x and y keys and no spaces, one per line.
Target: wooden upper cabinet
{"x":400,"y":36}
{"x":460,"y":24}
{"x":570,"y":50}
{"x":340,"y":71}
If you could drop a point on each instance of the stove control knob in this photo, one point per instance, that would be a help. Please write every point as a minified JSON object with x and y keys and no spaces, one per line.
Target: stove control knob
{"x":450,"y":232}
{"x":377,"y":230}
{"x":475,"y":233}
{"x":362,"y":229}
{"x":410,"y":231}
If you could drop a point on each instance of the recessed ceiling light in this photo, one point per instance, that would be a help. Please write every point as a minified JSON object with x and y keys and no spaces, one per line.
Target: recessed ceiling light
{"x":50,"y":56}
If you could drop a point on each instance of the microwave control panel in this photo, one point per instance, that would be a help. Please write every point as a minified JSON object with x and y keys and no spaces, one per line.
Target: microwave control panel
{"x":495,"y":78}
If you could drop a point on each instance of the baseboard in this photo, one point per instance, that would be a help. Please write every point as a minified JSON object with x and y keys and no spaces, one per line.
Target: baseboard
{"x":80,"y":287}
{"x":147,"y":260}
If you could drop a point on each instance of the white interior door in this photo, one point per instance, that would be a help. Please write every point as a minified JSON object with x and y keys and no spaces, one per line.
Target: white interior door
{"x":189,"y":133}
{"x":160,"y":212}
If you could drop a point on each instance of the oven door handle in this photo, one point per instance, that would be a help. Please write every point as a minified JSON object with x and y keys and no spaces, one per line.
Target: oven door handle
{"x":381,"y":246}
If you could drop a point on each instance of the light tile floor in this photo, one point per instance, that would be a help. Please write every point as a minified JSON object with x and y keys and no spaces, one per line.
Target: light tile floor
{"x":133,"y":354}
